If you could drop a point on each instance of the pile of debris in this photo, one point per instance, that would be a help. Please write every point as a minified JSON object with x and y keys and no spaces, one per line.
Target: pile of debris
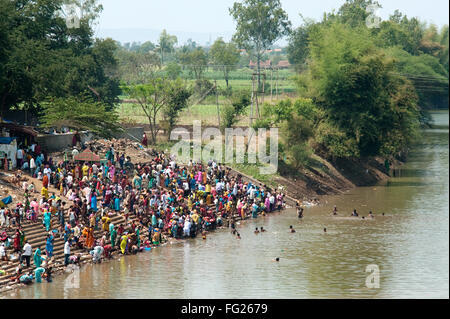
{"x":133,"y":149}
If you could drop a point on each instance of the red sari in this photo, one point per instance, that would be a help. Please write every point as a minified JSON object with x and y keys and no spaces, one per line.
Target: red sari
{"x":17,"y":242}
{"x":45,"y":181}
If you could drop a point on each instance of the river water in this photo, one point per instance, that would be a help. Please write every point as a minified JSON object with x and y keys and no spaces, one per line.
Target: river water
{"x":409,"y":245}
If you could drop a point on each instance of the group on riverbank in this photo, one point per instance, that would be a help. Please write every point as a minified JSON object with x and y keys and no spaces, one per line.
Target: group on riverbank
{"x":157,"y":200}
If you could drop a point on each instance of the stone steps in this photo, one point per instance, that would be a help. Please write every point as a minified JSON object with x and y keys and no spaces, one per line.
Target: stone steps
{"x":36,"y":236}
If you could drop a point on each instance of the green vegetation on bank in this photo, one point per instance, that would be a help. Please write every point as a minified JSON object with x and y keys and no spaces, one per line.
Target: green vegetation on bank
{"x":40,"y":56}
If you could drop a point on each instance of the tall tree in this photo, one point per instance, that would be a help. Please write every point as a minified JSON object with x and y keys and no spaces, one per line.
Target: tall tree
{"x":226,"y":55}
{"x":355,"y":84}
{"x":196,"y":61}
{"x":179,"y":95}
{"x":153,"y":97}
{"x":44,"y":57}
{"x":298,"y":50}
{"x":260,"y":23}
{"x":166,"y":44}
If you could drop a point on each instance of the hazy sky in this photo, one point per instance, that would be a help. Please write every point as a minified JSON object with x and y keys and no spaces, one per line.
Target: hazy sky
{"x":187,"y":17}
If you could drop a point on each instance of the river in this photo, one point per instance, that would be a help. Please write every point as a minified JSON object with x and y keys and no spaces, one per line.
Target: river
{"x":409,"y":245}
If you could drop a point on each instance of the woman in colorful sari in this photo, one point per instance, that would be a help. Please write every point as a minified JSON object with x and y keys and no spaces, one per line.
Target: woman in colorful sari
{"x":117,"y":203}
{"x":138,"y":237}
{"x":154,"y":221}
{"x":37,"y":257}
{"x":17,"y":246}
{"x":94,"y":202}
{"x":113,"y":237}
{"x":156,"y":237}
{"x":112,"y":172}
{"x":123,"y":244}
{"x":44,"y":192}
{"x":255,"y":211}
{"x":45,"y":181}
{"x":47,"y":219}
{"x":38,"y":274}
{"x":267,"y":204}
{"x":90,"y":238}
{"x":175,"y":230}
{"x":105,"y":223}
{"x":49,"y":245}
{"x":22,"y":236}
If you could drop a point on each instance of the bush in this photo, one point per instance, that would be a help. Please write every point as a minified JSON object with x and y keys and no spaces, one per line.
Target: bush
{"x":300,"y":155}
{"x":203,"y":87}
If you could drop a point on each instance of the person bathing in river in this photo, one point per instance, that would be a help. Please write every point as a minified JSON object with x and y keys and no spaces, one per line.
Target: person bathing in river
{"x":262,"y":229}
{"x":291,"y":229}
{"x":355,"y":214}
{"x":335,"y":211}
{"x":371,"y":215}
{"x":256,"y":230}
{"x":300,"y":212}
{"x":299,"y":209}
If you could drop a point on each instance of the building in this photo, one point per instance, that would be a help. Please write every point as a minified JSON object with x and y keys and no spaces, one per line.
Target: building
{"x":284,"y":64}
{"x":264,"y":64}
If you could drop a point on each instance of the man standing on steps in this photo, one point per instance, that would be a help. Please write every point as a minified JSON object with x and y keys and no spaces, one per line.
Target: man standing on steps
{"x":66,"y":252}
{"x":27,"y":250}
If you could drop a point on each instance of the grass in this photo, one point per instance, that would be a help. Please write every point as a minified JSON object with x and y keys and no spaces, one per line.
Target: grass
{"x":207,"y":113}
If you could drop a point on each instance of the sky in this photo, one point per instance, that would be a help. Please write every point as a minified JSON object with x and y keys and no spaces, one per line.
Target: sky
{"x":204,"y":20}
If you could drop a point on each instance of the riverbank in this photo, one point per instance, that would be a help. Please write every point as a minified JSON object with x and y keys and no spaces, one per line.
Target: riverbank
{"x":308,"y":186}
{"x":327,"y":178}
{"x":35,"y":232}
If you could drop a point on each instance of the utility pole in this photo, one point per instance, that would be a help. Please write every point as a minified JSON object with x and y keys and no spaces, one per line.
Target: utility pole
{"x":263,"y":89}
{"x":217,"y":102}
{"x":277,"y":81}
{"x":253,"y":99}
{"x":271,"y":84}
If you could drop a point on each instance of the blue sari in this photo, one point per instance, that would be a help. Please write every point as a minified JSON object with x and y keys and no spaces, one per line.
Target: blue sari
{"x":47,"y":219}
{"x":49,"y":246}
{"x":94,"y":202}
{"x":117,"y":204}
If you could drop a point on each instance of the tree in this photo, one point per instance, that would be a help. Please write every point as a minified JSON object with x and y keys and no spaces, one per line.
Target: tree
{"x":298,"y":46}
{"x":154,"y":96}
{"x":226,"y":55}
{"x":80,"y":113}
{"x":355,"y":84}
{"x":178,"y":101}
{"x":46,"y":58}
{"x":196,"y":61}
{"x":133,"y":66}
{"x":354,"y":12}
{"x":297,"y":121}
{"x":166,"y":44}
{"x":173,"y":70}
{"x":260,"y":23}
{"x":240,"y":100}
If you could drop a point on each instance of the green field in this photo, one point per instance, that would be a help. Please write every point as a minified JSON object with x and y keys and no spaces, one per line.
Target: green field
{"x":242,"y":78}
{"x":206,"y":111}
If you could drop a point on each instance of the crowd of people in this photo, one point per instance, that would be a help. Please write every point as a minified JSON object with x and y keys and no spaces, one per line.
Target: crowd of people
{"x":157,"y":200}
